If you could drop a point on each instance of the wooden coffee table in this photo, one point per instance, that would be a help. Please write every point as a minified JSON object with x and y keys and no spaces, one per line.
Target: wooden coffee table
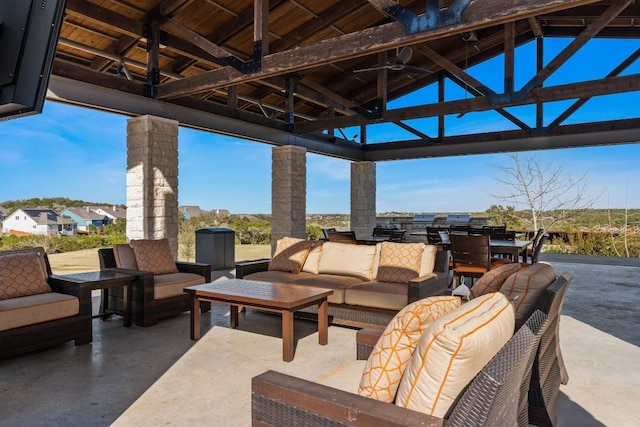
{"x":275,"y":297}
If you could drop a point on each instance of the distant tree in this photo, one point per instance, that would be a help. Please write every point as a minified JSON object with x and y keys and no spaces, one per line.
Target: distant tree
{"x":499,"y":215}
{"x":547,"y":190}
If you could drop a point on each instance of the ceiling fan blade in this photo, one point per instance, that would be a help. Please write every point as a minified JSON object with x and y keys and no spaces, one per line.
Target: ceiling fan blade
{"x":362,"y":70}
{"x":416,"y":70}
{"x":404,"y":56}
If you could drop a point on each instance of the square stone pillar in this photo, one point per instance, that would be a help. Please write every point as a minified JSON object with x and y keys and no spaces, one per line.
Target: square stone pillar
{"x":152,"y":179}
{"x":363,"y":198}
{"x":288,"y":193}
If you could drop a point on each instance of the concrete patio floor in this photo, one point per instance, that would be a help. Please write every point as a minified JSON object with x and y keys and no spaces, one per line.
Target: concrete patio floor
{"x":93,"y":385}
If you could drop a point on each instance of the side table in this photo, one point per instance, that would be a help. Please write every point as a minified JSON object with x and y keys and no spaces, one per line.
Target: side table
{"x":103,"y":280}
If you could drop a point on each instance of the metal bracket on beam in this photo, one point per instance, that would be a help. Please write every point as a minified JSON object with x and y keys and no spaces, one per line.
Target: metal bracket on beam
{"x":434,"y":17}
{"x":247,"y":67}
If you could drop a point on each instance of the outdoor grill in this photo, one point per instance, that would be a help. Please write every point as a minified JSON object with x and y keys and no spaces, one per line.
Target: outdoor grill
{"x":422,"y":220}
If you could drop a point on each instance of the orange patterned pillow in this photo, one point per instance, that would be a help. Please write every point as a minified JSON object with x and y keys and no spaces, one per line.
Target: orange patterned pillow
{"x":492,"y":280}
{"x":154,"y":256}
{"x":399,"y":262}
{"x":21,"y":275}
{"x":524,"y":287}
{"x":392,"y":352}
{"x":290,"y":254}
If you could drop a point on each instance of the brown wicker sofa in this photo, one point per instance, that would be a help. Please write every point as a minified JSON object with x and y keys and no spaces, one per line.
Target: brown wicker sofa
{"x":502,"y":394}
{"x":356,"y":298}
{"x":154,"y":296}
{"x":492,"y":397}
{"x":40,"y":320}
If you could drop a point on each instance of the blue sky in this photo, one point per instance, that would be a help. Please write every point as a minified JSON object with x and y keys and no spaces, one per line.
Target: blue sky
{"x":80,"y":153}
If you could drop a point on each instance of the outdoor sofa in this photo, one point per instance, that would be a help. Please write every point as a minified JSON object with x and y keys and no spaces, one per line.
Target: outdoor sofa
{"x":370,"y":283}
{"x":158,"y":291}
{"x":517,"y":387}
{"x":37,"y":310}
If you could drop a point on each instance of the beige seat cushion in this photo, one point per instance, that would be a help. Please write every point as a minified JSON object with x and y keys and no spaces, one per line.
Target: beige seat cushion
{"x":492,"y":280}
{"x":154,"y":256}
{"x":392,"y":296}
{"x":329,"y":281}
{"x":32,"y":309}
{"x":277,"y":276}
{"x":21,"y":275}
{"x":172,"y":284}
{"x":452,"y":351}
{"x":399,"y":262}
{"x":347,"y":259}
{"x":391,"y":354}
{"x":525,"y":286}
{"x":290,"y":254}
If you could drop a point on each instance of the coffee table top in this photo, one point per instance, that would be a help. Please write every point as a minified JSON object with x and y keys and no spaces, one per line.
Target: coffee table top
{"x":274,"y":294}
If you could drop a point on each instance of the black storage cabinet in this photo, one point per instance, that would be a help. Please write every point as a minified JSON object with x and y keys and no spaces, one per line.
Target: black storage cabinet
{"x":216,"y":246}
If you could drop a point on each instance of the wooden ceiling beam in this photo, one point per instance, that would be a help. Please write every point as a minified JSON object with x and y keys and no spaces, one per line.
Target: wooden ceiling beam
{"x":368,"y":41}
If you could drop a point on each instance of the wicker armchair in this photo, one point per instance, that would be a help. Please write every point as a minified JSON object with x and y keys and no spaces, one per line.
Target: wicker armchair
{"x":146,"y":305}
{"x":492,"y":398}
{"x":36,"y":336}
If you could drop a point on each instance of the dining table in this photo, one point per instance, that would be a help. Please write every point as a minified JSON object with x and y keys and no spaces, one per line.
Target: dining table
{"x":516,"y":248}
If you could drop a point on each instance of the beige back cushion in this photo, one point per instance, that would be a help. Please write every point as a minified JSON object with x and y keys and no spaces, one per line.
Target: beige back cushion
{"x":452,"y":351}
{"x":22,"y":274}
{"x":393,"y":351}
{"x":399,"y":262}
{"x":428,"y":259}
{"x":524,"y":287}
{"x":312,"y":262}
{"x":347,"y":259}
{"x":154,"y":256}
{"x":124,"y":257}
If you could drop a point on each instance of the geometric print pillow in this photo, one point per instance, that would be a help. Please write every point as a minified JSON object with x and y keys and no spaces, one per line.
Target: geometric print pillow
{"x":154,"y":256}
{"x":21,"y":275}
{"x":399,"y":262}
{"x":290,"y":254}
{"x":391,"y":354}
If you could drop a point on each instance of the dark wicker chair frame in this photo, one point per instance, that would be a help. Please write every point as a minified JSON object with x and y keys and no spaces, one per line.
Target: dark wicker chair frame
{"x":492,"y":398}
{"x":146,"y":309}
{"x":547,"y":370}
{"x":42,"y":335}
{"x":342,"y":236}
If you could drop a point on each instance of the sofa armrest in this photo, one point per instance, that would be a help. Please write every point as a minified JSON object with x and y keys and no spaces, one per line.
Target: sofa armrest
{"x":199,"y":268}
{"x":78,"y":290}
{"x":247,"y":267}
{"x":278,"y":400}
{"x":429,"y":285}
{"x":366,"y":339}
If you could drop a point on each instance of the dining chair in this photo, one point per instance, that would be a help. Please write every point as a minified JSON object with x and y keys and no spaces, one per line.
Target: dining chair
{"x":326,"y":231}
{"x":433,"y":235}
{"x":535,"y":252}
{"x":397,"y":235}
{"x":471,"y":256}
{"x":342,"y":236}
{"x":534,"y":242}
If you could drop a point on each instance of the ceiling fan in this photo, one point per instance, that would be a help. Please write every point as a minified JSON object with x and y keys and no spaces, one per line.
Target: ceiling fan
{"x":400,"y":64}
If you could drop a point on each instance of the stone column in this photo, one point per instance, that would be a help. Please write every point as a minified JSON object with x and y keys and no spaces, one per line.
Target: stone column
{"x":152,"y":179}
{"x":288,"y":193}
{"x":363,"y":198}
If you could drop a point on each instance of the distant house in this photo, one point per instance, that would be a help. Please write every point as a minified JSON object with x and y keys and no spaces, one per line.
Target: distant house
{"x":85,"y":217}
{"x":40,"y":221}
{"x":114,"y":213}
